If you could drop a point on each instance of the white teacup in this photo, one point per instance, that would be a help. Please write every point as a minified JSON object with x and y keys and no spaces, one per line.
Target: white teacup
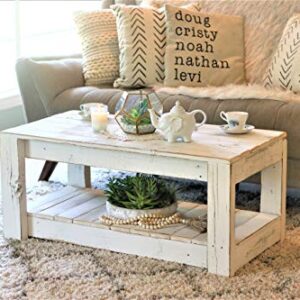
{"x":235,"y":119}
{"x":87,"y":107}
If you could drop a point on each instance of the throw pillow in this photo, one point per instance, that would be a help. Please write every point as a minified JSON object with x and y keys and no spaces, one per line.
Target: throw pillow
{"x":98,"y":34}
{"x":142,"y":43}
{"x":284,"y":70}
{"x":203,"y":49}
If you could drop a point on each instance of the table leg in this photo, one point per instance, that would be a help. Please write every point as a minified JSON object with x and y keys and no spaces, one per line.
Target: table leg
{"x":221,"y":218}
{"x":48,"y":169}
{"x":13,"y":187}
{"x":273,"y":189}
{"x":79,"y":175}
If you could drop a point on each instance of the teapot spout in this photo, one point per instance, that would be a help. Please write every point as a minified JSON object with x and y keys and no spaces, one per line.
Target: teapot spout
{"x":154,"y":117}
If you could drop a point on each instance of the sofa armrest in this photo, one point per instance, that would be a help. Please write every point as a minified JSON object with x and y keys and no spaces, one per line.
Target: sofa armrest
{"x":42,"y":79}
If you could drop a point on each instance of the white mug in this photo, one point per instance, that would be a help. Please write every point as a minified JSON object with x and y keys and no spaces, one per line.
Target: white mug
{"x":235,"y":119}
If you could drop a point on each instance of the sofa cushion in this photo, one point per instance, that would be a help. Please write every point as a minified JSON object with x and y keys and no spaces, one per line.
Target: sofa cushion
{"x":52,"y":77}
{"x":203,"y":49}
{"x":284,"y":71}
{"x":72,"y":98}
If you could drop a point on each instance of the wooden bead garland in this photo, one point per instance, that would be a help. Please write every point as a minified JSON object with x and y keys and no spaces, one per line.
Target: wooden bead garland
{"x":156,"y":221}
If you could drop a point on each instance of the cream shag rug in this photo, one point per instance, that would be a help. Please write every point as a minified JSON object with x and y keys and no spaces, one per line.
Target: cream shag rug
{"x":46,"y":270}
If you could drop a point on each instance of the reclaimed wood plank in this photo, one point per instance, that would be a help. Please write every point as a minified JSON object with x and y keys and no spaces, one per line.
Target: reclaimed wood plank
{"x":252,"y":225}
{"x":185,"y":206}
{"x":273,"y":189}
{"x":59,"y":197}
{"x":242,"y":216}
{"x":221,"y":218}
{"x":197,"y":212}
{"x":185,"y":234}
{"x":105,"y":157}
{"x":123,"y":228}
{"x":69,"y":214}
{"x":168,"y":230}
{"x":283,"y":191}
{"x":256,"y":161}
{"x":13,"y":187}
{"x":51,"y":212}
{"x":256,"y":243}
{"x":200,"y":239}
{"x":186,"y":253}
{"x":91,"y":216}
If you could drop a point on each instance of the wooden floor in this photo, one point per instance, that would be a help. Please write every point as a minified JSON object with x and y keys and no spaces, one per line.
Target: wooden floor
{"x":84,"y":207}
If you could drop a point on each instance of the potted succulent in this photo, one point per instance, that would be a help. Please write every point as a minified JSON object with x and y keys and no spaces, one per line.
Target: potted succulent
{"x":130,"y":197}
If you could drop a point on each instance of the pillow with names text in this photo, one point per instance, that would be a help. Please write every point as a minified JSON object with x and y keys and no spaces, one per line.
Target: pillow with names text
{"x":203,"y":49}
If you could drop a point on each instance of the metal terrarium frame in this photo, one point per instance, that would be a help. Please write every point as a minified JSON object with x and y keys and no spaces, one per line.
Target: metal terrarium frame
{"x":131,"y":120}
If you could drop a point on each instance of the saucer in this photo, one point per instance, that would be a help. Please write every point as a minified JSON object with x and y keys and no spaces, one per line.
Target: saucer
{"x":84,"y":117}
{"x":229,"y":130}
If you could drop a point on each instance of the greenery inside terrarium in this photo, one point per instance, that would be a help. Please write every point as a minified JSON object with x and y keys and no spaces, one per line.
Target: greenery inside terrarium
{"x":138,"y":115}
{"x":140,"y":192}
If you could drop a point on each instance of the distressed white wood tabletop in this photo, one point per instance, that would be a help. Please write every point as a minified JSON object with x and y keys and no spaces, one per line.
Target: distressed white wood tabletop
{"x":208,"y":141}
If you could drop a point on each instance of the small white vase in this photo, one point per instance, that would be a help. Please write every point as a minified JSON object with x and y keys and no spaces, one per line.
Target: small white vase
{"x":125,"y":213}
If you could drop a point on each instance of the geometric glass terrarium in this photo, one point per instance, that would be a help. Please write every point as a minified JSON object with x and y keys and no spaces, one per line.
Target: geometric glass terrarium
{"x":132,"y":111}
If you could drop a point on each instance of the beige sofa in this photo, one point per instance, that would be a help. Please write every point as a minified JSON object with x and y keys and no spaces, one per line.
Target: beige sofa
{"x":52,"y":85}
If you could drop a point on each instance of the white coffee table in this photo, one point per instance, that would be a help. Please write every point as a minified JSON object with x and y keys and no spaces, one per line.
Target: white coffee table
{"x":234,"y":236}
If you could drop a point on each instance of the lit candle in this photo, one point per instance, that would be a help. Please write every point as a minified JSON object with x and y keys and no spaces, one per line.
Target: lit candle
{"x":99,"y":117}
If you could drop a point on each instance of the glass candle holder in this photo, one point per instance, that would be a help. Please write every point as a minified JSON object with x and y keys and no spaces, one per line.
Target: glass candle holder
{"x":99,"y":118}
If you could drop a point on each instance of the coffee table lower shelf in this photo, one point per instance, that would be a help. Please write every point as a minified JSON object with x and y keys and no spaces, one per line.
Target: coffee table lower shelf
{"x":72,"y":215}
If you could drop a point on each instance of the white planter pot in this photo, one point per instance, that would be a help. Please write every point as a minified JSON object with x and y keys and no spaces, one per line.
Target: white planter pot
{"x":125,"y":213}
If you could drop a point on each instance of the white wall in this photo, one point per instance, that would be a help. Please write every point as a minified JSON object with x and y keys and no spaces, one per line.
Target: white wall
{"x":11,"y":117}
{"x":11,"y":112}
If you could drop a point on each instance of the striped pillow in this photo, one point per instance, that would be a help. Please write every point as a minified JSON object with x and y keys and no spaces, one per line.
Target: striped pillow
{"x":284,"y":70}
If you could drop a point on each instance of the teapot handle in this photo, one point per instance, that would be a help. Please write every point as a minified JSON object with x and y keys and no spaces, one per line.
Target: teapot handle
{"x":204,"y":117}
{"x":223,"y":116}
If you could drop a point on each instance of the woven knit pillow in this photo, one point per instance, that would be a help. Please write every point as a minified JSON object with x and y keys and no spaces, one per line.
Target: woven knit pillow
{"x":142,"y":42}
{"x":100,"y":50}
{"x":284,"y":70}
{"x":203,"y":49}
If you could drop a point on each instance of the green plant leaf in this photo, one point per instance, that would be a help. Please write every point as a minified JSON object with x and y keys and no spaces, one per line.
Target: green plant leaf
{"x":140,"y":192}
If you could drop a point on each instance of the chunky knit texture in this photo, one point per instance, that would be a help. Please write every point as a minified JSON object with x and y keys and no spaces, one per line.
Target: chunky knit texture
{"x":100,"y":49}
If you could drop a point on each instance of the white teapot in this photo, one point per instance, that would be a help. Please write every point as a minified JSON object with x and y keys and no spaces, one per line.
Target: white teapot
{"x":177,"y":124}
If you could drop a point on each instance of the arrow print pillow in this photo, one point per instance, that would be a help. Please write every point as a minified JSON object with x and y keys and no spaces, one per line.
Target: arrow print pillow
{"x":284,"y":70}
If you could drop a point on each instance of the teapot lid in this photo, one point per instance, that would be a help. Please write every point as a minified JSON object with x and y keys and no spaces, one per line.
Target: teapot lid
{"x":177,"y":108}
